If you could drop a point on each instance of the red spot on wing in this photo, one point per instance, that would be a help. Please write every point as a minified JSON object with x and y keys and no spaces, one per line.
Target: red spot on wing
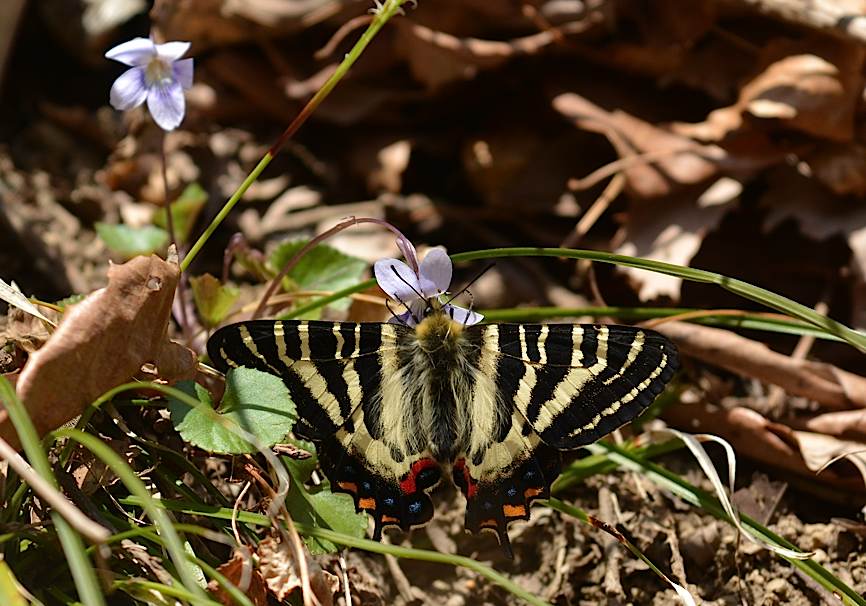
{"x":471,"y":485}
{"x":408,"y":483}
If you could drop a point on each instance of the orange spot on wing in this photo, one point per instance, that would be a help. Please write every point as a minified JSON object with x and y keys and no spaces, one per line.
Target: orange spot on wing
{"x":390,"y":520}
{"x":514,"y":511}
{"x":531,"y":492}
{"x":489,"y":524}
{"x":367,"y":503}
{"x":350,"y":486}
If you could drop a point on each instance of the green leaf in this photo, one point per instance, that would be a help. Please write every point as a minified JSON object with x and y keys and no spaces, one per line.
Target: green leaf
{"x":213,"y":300}
{"x":322,"y":268}
{"x":132,"y":241}
{"x":322,"y":509}
{"x":184,"y":211}
{"x":256,"y":401}
{"x":9,"y":592}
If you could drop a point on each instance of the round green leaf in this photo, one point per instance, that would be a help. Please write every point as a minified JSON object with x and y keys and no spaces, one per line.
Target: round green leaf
{"x":256,"y":401}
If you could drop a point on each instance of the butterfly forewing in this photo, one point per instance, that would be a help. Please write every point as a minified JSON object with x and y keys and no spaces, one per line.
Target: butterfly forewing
{"x":510,"y":396}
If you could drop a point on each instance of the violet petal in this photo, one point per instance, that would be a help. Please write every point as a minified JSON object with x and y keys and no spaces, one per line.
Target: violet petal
{"x":172,"y":51}
{"x":129,"y":90}
{"x":135,"y":52}
{"x":166,"y":105}
{"x":435,"y":272}
{"x":467,"y":317}
{"x":182,"y":71}
{"x":404,"y":288}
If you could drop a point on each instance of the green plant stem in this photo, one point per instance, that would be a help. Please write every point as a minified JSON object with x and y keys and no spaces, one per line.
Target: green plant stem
{"x":341,"y":539}
{"x":83,"y":574}
{"x":390,"y":8}
{"x":225,"y":210}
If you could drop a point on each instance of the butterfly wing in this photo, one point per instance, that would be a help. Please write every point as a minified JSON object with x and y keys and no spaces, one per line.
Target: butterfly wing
{"x":334,"y":373}
{"x":549,"y":387}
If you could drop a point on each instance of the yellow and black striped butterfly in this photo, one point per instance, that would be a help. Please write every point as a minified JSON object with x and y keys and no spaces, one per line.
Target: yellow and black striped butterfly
{"x":390,"y":405}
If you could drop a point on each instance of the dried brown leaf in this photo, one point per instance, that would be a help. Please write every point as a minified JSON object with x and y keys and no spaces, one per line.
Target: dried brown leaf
{"x":811,"y":85}
{"x":824,"y":383}
{"x":240,"y":572}
{"x":819,"y":449}
{"x":277,"y":567}
{"x":658,"y":161}
{"x":758,"y":438}
{"x":103,"y":342}
{"x":843,"y":424}
{"x":672,"y":232}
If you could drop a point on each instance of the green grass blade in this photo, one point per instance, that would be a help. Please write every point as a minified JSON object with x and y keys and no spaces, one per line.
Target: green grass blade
{"x":83,"y":574}
{"x":367,"y":545}
{"x":744,"y":289}
{"x":746,"y":320}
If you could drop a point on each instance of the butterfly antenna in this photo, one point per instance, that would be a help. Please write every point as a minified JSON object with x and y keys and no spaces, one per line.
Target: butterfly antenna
{"x":399,"y":319}
{"x":406,"y":282}
{"x":470,"y":283}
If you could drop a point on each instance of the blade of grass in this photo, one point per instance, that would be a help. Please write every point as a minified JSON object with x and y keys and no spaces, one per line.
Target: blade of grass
{"x":365,"y":544}
{"x":83,"y":574}
{"x":596,"y":464}
{"x":711,"y":505}
{"x":744,"y":289}
{"x":130,"y":585}
{"x":743,"y":319}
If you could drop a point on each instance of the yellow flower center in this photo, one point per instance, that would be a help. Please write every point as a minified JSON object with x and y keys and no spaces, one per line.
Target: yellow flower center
{"x":158,"y":70}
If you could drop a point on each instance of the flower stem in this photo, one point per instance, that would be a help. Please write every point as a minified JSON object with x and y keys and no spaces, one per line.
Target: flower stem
{"x":388,"y":10}
{"x":180,"y":295}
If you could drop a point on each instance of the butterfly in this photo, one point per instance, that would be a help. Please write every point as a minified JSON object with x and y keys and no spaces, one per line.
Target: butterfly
{"x":392,"y":406}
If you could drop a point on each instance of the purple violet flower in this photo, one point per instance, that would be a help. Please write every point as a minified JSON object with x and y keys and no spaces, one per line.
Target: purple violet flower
{"x":413,"y":290}
{"x":157,"y":75}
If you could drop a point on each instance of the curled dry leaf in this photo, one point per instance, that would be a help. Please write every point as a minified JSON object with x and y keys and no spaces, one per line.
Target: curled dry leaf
{"x":658,"y":161}
{"x":844,"y":424}
{"x":277,"y":567}
{"x":824,"y":383}
{"x":758,"y":438}
{"x":240,"y":572}
{"x":820,"y":450}
{"x":103,"y":342}
{"x":810,"y":85}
